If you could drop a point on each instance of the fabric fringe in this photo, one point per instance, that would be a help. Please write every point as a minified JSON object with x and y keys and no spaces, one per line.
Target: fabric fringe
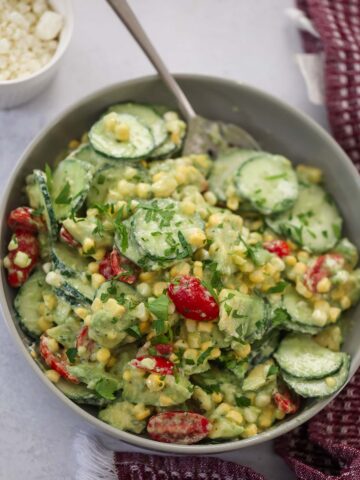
{"x":95,"y":462}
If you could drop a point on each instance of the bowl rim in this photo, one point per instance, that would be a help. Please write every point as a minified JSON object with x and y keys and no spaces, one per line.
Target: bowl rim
{"x":130,"y":438}
{"x":63,"y":45}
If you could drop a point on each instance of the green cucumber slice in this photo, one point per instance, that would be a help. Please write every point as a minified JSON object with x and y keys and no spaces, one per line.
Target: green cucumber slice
{"x":75,"y":292}
{"x":139,"y":145}
{"x":224,"y":169}
{"x":67,"y":260}
{"x":298,"y":308}
{"x":268,"y":182}
{"x":70,"y":185}
{"x":146,"y":115}
{"x":86,"y":153}
{"x":300,"y":356}
{"x":79,"y":393}
{"x":322,"y":387}
{"x":314,"y":221}
{"x":27,"y":303}
{"x":46,"y":204}
{"x":168,"y":149}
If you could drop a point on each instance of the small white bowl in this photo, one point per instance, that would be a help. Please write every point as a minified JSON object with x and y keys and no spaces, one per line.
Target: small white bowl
{"x":16,"y":92}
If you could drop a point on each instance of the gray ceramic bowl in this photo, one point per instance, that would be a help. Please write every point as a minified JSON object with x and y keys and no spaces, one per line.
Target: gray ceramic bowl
{"x":277,"y":127}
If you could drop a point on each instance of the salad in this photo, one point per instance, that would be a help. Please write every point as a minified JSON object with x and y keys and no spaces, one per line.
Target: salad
{"x":187,"y":298}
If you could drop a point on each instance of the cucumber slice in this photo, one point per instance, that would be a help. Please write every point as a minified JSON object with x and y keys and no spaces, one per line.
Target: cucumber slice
{"x":147,"y":116}
{"x":169,"y":148}
{"x":298,"y":308}
{"x":75,"y":292}
{"x":161,"y":230}
{"x":87,"y":154}
{"x":243,"y":317}
{"x":122,"y":292}
{"x":130,"y":248}
{"x":268,"y":182}
{"x":70,"y":186}
{"x":322,"y":387}
{"x":224,"y":169}
{"x":27,"y":303}
{"x":300,"y":328}
{"x":314,"y":221}
{"x":46,"y":204}
{"x":67,"y":260}
{"x":300,"y":356}
{"x":139,"y":145}
{"x":79,"y":393}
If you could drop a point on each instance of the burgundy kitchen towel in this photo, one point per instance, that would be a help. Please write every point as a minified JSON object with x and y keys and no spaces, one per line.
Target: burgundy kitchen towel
{"x":338,"y":24}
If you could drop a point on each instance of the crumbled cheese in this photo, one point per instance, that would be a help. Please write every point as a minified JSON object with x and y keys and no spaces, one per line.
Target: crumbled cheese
{"x":29,"y":37}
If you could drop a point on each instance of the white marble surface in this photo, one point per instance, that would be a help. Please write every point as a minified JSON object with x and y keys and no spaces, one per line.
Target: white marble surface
{"x":247,"y":40}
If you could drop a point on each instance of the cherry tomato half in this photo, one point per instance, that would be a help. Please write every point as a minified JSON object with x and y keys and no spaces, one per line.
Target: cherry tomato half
{"x":178,"y":427}
{"x":154,"y":364}
{"x":279,"y":247}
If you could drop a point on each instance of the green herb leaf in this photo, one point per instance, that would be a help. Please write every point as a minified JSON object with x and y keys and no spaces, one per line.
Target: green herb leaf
{"x":243,"y":401}
{"x":278,"y":288}
{"x":203,"y":356}
{"x":134,"y":332}
{"x":106,"y":387}
{"x":273,"y":370}
{"x":280,"y":316}
{"x":159,"y":308}
{"x":64,"y":196}
{"x":71,"y":353}
{"x":123,"y":235}
{"x":276,"y":177}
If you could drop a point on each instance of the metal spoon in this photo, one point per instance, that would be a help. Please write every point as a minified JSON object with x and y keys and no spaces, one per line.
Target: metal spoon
{"x":203,"y":135}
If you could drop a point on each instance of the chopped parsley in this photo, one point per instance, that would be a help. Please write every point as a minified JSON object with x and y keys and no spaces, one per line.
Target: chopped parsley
{"x":64,"y":196}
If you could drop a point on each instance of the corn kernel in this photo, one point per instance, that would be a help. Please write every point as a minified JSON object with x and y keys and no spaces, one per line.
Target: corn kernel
{"x":250,"y":431}
{"x":215,"y":353}
{"x":73,"y":144}
{"x":303,"y":291}
{"x":97,"y":279}
{"x":279,"y":414}
{"x":141,"y":415}
{"x":81,"y":312}
{"x":214,"y":220}
{"x":147,"y":276}
{"x":206,"y":345}
{"x":122,"y":132}
{"x":111,"y":362}
{"x":159,"y":288}
{"x":345,"y":302}
{"x":197,"y":238}
{"x":223,"y":408}
{"x":22,"y":259}
{"x":43,"y":324}
{"x":110,"y":121}
{"x":299,"y":269}
{"x":232,"y":203}
{"x":303,"y":256}
{"x":210,"y":198}
{"x":334,"y":314}
{"x":242,"y":351}
{"x":165,"y":401}
{"x":320,"y":317}
{"x":143,"y":190}
{"x":266,"y":418}
{"x":217,"y":397}
{"x":93,"y":267}
{"x":99,"y":253}
{"x":324,"y":285}
{"x":247,"y":267}
{"x":205,"y":327}
{"x":262,"y":400}
{"x":235,"y":416}
{"x":53,"y":376}
{"x":313,"y":174}
{"x":257,"y":276}
{"x":144,"y":289}
{"x":290,"y":260}
{"x":97,"y":305}
{"x":164,"y":187}
{"x":250,"y":415}
{"x":174,"y":358}
{"x":194,"y":340}
{"x":88,"y":244}
{"x":198,"y":270}
{"x":187,"y":207}
{"x":52,"y":345}
{"x":114,"y":308}
{"x":154,"y":382}
{"x":191,"y":354}
{"x":330,"y":381}
{"x":144,"y":327}
{"x":127,"y":376}
{"x":103,"y":355}
{"x":181,"y":268}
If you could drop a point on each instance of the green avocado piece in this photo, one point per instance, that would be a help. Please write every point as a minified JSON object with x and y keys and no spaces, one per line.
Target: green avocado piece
{"x":95,"y":377}
{"x":120,"y":415}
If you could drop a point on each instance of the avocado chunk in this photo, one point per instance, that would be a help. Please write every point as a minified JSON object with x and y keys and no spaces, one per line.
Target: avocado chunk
{"x":121,"y":415}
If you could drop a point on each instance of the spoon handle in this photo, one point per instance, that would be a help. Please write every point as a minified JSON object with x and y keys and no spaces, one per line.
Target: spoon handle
{"x":123,"y":10}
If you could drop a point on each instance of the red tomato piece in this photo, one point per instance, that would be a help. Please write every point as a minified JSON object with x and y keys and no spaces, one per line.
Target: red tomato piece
{"x":286,"y":402}
{"x":192,"y":300}
{"x":279,"y":247}
{"x":23,"y":218}
{"x":178,"y":427}
{"x":55,"y":361}
{"x":105,"y":267}
{"x":154,"y":364}
{"x":123,"y":268}
{"x":83,"y":339}
{"x":323,"y":266}
{"x":67,"y":238}
{"x":164,"y":348}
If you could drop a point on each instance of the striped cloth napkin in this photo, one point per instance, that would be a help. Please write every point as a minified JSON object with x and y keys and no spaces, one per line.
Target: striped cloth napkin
{"x":328,"y":446}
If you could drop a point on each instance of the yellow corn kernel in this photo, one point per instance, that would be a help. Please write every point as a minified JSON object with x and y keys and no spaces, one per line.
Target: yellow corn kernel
{"x":215,"y":353}
{"x":147,"y":276}
{"x":43,"y":324}
{"x":52,"y":345}
{"x":99,"y":253}
{"x":198,"y":270}
{"x":250,"y":414}
{"x":158,"y":176}
{"x":303,"y":256}
{"x":144,"y":289}
{"x":235,"y":416}
{"x":73,"y":144}
{"x":214,"y":220}
{"x":194,"y":340}
{"x":174,"y":358}
{"x":345,"y":302}
{"x":113,"y":307}
{"x":181,"y":268}
{"x":303,"y":291}
{"x":145,"y":327}
{"x":244,"y":289}
{"x":197,"y":238}
{"x":88,"y":244}
{"x":141,"y":414}
{"x":175,"y":137}
{"x":122,"y":132}
{"x":206,"y":345}
{"x":97,"y":279}
{"x":266,"y":418}
{"x":250,"y":431}
{"x":164,"y":187}
{"x":257,"y":276}
{"x":223,"y":408}
{"x":111,"y":362}
{"x":53,"y":376}
{"x":320,"y":317}
{"x":205,"y":327}
{"x":97,"y":305}
{"x":103,"y":355}
{"x":180,"y":344}
{"x":330,"y":381}
{"x":299,"y":269}
{"x":33,"y":353}
{"x":247,"y":267}
{"x":191,"y":354}
{"x":187,"y":207}
{"x":93,"y":267}
{"x":81,"y":312}
{"x":110,"y":121}
{"x":279,"y":414}
{"x":242,"y":351}
{"x":203,"y":398}
{"x":143,"y":190}
{"x":324,"y":285}
{"x":217,"y":397}
{"x":262,"y":400}
{"x":22,"y":259}
{"x":232,"y":203}
{"x":92,"y":212}
{"x":158,"y":288}
{"x":165,"y":401}
{"x":210,"y":198}
{"x":50,"y":301}
{"x":268,"y":238}
{"x":313,"y":174}
{"x":290,"y":260}
{"x":337,"y":294}
{"x":127,"y":376}
{"x":154,"y":382}
{"x":334,"y":313}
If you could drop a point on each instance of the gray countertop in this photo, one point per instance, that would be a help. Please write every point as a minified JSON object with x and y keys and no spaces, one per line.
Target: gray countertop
{"x":247,"y":40}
